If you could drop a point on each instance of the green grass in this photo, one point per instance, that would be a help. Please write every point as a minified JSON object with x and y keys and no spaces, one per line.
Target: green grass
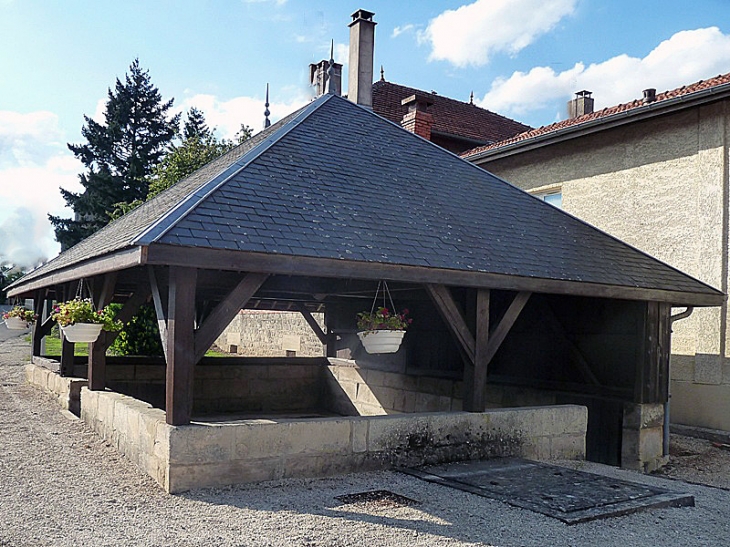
{"x":53,"y":349}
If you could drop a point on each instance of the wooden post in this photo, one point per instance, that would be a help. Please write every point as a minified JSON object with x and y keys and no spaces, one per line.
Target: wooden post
{"x":180,"y":342}
{"x":476,"y":400}
{"x":96,"y":368}
{"x":67,"y":357}
{"x":39,"y":301}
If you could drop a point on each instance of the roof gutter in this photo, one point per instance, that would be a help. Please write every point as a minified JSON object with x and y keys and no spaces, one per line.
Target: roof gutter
{"x":640,"y":113}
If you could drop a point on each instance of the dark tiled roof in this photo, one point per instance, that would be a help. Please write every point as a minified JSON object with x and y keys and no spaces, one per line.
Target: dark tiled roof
{"x":122,"y":232}
{"x":606,"y":114}
{"x":451,"y":117}
{"x":336,"y":181}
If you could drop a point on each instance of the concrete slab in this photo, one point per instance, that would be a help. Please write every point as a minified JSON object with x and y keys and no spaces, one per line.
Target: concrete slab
{"x":564,"y":494}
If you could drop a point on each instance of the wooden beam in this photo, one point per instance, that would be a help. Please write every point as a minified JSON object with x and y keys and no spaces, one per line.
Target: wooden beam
{"x":351,"y":269}
{"x":577,"y":358}
{"x":449,"y":311}
{"x":180,"y":354}
{"x":159,"y":297}
{"x":225,"y":311}
{"x":312,"y":323}
{"x":96,"y":364}
{"x":500,"y":332}
{"x":476,"y":401}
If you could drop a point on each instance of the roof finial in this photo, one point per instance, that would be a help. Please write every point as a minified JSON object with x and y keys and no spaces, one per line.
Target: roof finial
{"x":267,"y":122}
{"x":331,"y":69}
{"x":382,"y":74}
{"x":471,"y":97}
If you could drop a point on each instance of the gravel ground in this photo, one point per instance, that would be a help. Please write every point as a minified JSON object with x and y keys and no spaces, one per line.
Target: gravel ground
{"x":60,"y":485}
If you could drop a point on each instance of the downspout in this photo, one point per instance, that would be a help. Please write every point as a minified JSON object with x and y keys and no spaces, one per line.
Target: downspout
{"x":665,"y":441}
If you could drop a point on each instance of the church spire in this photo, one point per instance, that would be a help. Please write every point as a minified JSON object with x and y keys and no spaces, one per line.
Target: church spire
{"x":267,"y":122}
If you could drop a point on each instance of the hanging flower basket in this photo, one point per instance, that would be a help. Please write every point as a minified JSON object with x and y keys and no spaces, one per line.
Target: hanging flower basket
{"x":81,"y":322}
{"x":382,"y":331}
{"x":18,"y":318}
{"x":82,"y":332}
{"x":381,"y":341}
{"x":16,"y":323}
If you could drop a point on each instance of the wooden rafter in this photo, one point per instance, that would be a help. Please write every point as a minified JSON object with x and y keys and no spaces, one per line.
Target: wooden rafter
{"x":225,"y":311}
{"x":454,"y":319}
{"x":312,"y":323}
{"x":159,"y":297}
{"x":505,"y":324}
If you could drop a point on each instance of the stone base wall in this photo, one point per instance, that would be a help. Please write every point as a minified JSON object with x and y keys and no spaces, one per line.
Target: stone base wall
{"x":66,"y":390}
{"x":643,"y":435}
{"x":706,"y":405}
{"x":205,"y":454}
{"x":353,"y":390}
{"x":135,"y":428}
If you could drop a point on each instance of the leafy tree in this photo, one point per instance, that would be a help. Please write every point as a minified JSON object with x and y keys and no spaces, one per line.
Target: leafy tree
{"x":199,"y":146}
{"x":140,"y":336}
{"x":119,"y":155}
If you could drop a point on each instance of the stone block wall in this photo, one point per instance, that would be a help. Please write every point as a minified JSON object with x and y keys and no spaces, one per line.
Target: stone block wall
{"x":354,"y":390}
{"x":660,"y":185}
{"x":135,"y":428}
{"x":66,"y":390}
{"x":262,"y":333}
{"x":643,"y":436}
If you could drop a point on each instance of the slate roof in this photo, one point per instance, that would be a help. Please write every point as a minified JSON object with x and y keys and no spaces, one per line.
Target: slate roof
{"x":716,"y":84}
{"x":451,"y":117}
{"x":336,"y":181}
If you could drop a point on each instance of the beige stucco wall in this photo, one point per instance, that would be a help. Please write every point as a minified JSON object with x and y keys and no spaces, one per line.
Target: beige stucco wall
{"x":662,"y":186}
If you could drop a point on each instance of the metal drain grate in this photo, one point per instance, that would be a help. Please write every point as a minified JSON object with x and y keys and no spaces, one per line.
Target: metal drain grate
{"x":379,"y":498}
{"x":567,"y":495}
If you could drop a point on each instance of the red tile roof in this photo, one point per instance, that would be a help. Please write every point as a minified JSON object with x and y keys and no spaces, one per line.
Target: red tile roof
{"x":451,"y":117}
{"x":601,"y":115}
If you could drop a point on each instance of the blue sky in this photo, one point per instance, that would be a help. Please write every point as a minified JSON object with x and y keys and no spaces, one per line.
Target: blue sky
{"x":521,"y":58}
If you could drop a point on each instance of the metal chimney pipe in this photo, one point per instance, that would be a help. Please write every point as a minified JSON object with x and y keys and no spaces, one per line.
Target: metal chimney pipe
{"x":362,"y":48}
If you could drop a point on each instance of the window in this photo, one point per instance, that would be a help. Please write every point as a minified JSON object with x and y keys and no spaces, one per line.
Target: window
{"x":553,"y":198}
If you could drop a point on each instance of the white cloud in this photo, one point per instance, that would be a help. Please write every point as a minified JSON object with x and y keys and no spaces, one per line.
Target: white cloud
{"x":686,"y":57}
{"x":469,"y":35}
{"x":228,"y":115}
{"x":397,"y":31}
{"x":34,"y":162}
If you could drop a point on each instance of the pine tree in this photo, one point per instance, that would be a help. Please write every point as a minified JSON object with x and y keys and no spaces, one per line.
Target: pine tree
{"x":119,"y":155}
{"x":195,"y":124}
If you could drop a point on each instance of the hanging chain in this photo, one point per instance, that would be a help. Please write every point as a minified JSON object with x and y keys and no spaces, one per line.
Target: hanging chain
{"x":384,"y":285}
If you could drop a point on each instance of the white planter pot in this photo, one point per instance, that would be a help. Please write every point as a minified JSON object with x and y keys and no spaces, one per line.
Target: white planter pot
{"x":16,"y":323}
{"x":381,"y":341}
{"x":82,"y":332}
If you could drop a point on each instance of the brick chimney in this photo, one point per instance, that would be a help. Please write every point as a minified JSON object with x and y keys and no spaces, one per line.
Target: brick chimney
{"x":582,"y":104}
{"x":362,"y":48}
{"x":417,"y":120}
{"x":318,"y":78}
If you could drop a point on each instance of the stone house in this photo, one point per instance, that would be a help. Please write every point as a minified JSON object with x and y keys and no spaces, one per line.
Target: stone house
{"x":654,"y":173}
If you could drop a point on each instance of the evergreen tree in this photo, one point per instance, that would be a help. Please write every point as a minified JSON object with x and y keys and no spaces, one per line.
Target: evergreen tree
{"x":195,"y":124}
{"x":119,"y":155}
